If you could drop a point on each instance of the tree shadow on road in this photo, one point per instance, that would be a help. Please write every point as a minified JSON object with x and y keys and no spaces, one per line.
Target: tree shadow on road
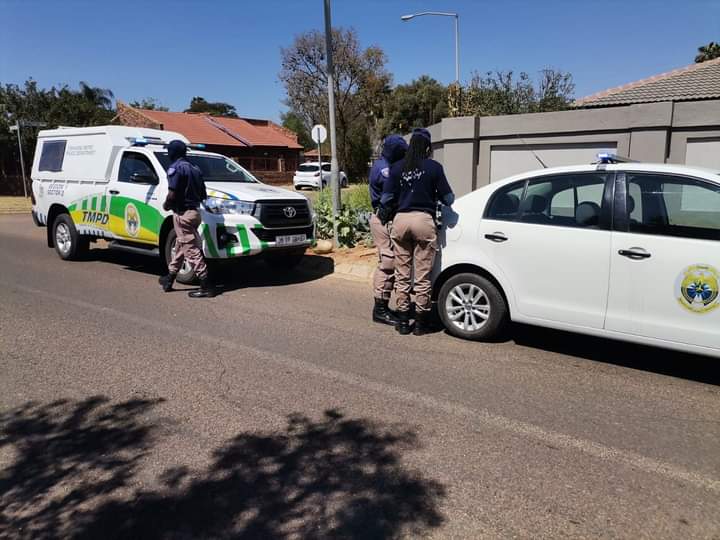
{"x":66,"y":455}
{"x":334,"y":477}
{"x":620,"y":353}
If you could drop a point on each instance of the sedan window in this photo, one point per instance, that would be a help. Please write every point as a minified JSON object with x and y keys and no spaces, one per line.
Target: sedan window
{"x":569,"y":200}
{"x":673,"y":206}
{"x":505,"y":204}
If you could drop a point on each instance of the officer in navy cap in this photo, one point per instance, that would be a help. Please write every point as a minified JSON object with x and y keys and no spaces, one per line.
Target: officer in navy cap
{"x":393,"y":150}
{"x":412,"y":192}
{"x":186,"y":190}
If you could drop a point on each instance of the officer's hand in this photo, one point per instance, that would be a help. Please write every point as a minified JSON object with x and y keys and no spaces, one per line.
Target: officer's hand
{"x":168,"y":204}
{"x":385,"y":214}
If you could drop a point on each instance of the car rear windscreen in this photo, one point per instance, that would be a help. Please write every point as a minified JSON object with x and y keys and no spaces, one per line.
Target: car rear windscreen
{"x":307,"y":168}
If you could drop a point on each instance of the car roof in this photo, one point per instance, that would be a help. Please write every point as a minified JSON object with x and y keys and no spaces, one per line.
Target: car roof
{"x":683,"y":170}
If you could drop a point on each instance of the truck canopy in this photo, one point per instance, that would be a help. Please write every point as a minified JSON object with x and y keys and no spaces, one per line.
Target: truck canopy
{"x":87,"y":154}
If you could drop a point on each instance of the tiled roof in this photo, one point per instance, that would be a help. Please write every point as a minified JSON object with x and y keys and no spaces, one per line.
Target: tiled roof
{"x":694,"y":82}
{"x":206,"y":129}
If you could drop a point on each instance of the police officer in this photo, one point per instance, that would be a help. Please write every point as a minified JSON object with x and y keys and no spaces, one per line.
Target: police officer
{"x":412,"y":192}
{"x":186,"y":190}
{"x":393,"y":150}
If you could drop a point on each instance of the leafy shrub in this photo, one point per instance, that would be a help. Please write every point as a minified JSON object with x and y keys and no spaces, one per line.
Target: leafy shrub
{"x":353,"y":220}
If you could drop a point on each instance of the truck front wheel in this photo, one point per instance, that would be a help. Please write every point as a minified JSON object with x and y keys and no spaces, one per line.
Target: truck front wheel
{"x":187,"y":272}
{"x":69,"y":244}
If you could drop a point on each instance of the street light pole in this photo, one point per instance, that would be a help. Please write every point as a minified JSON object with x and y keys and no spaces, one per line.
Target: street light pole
{"x":22,"y":161}
{"x":457,"y":34}
{"x":331,"y":105}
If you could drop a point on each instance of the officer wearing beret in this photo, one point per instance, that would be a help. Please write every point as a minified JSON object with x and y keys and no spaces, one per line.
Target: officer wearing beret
{"x":393,"y":150}
{"x":186,"y":191}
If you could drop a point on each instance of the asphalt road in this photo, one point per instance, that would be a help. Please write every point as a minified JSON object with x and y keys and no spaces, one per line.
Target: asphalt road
{"x":279,"y":410}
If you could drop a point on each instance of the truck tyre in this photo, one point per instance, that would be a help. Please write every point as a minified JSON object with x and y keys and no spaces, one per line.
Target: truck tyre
{"x":285,"y":259}
{"x":472,"y":307}
{"x":187,"y":273}
{"x":69,"y":244}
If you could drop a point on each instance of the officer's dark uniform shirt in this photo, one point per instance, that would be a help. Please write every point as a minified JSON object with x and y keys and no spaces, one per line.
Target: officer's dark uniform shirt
{"x":379,"y":173}
{"x":186,"y":180}
{"x":418,"y":189}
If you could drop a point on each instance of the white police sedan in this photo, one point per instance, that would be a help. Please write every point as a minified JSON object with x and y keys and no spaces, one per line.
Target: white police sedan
{"x":618,"y":249}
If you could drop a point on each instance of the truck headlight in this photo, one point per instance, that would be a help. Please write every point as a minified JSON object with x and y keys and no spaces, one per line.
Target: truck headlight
{"x":216,"y":205}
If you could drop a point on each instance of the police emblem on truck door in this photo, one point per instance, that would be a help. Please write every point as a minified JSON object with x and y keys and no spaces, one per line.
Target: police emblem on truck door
{"x":132,"y":220}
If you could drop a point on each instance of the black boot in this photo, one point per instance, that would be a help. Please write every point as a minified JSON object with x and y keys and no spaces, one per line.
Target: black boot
{"x":403,"y":326}
{"x":383,"y":314}
{"x":423,"y":324}
{"x":166,"y":282}
{"x":206,"y":290}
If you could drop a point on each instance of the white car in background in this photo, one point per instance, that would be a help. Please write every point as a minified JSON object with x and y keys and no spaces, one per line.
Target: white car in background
{"x":616,"y":249}
{"x":308,"y":175}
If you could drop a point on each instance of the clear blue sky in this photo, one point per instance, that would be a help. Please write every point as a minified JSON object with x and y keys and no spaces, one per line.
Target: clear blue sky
{"x":230,"y":50}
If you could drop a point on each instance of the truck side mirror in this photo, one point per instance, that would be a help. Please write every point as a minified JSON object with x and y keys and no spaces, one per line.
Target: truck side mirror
{"x":143,"y":178}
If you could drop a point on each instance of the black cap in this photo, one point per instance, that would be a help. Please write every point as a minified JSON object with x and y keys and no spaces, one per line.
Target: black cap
{"x":177,"y":149}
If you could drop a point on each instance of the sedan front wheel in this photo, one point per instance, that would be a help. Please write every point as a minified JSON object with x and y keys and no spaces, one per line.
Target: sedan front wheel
{"x":472,"y":307}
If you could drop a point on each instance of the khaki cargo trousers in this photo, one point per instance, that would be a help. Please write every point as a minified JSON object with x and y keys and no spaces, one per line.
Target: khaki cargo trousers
{"x":414,"y":238}
{"x":188,"y":245}
{"x":384,"y":276}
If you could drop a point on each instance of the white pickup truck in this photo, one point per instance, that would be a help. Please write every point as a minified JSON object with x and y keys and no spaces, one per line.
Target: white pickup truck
{"x":109,"y":182}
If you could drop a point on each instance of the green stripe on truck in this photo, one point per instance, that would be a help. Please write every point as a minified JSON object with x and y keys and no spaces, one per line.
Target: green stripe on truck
{"x":244,"y":239}
{"x":209,"y":241}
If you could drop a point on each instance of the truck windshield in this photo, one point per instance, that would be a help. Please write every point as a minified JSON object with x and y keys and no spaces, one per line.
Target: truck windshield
{"x":214,"y":168}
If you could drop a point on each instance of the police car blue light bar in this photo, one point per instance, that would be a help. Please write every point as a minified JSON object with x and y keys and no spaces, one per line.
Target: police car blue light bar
{"x":143,"y":141}
{"x":609,"y":158}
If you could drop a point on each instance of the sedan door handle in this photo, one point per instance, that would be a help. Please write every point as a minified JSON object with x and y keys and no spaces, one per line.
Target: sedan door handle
{"x":635,"y":253}
{"x":497,"y":237}
{"x":114,"y":192}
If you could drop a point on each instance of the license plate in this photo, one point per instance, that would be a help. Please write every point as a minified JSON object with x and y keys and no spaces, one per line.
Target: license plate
{"x":291,"y":240}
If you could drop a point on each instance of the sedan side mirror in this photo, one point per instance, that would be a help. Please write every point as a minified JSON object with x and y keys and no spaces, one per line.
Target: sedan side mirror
{"x":143,"y":178}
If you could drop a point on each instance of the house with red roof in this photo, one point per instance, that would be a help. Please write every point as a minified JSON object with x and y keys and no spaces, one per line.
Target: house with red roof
{"x":263,"y":147}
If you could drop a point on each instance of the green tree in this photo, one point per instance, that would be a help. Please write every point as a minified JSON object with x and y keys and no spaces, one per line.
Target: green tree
{"x":708,"y":52}
{"x":149,"y":104}
{"x":295,"y":123}
{"x":214,"y":108}
{"x":421,"y":103}
{"x":361,"y":86}
{"x":100,"y":97}
{"x":500,"y":92}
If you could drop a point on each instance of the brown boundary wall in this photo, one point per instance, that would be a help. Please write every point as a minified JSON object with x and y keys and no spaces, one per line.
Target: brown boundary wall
{"x":655,"y":132}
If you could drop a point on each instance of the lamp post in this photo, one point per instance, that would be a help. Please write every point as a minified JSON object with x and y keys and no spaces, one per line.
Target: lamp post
{"x":457,"y":34}
{"x":20,"y":124}
{"x":334,"y":176}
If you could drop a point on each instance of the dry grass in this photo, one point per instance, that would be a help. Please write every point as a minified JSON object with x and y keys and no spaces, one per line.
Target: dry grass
{"x":15,"y":205}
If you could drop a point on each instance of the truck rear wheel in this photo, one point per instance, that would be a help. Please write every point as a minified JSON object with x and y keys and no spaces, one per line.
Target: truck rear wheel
{"x":69,"y":244}
{"x":187,"y":273}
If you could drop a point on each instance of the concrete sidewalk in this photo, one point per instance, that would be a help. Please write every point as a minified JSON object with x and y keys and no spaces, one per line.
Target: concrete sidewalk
{"x":15,"y":205}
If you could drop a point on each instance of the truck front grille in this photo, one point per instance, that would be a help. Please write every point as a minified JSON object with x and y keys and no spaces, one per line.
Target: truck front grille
{"x":284,"y":213}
